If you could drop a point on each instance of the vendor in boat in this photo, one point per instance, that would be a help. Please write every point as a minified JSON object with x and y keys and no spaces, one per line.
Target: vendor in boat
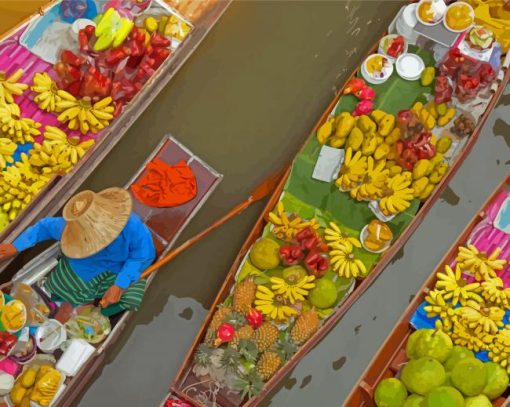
{"x":105,"y":248}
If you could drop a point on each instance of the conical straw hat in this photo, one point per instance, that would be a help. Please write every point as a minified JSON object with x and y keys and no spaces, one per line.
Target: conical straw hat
{"x":94,"y":220}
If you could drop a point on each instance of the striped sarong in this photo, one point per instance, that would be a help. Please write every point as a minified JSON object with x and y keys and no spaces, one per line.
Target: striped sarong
{"x":64,"y":284}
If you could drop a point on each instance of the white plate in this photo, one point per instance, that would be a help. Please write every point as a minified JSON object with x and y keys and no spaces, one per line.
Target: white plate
{"x":410,"y":66}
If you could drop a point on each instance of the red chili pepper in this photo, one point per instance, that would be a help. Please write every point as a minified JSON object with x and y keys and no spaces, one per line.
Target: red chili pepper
{"x":291,"y":254}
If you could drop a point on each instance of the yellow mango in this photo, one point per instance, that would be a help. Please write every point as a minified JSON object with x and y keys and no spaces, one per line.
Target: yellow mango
{"x":345,"y":122}
{"x":395,"y":170}
{"x":447,"y":118}
{"x":421,"y":168}
{"x":355,"y":139}
{"x":393,"y":137}
{"x":369,"y":145}
{"x":427,"y":191}
{"x":386,"y":125}
{"x":325,"y":131}
{"x":377,"y":115}
{"x":428,"y":75}
{"x":28,"y":378}
{"x":379,"y":140}
{"x":444,"y":144}
{"x":432,"y":108}
{"x":337,"y":142}
{"x":17,"y":393}
{"x":417,"y":108}
{"x":419,"y":185}
{"x":366,"y":124}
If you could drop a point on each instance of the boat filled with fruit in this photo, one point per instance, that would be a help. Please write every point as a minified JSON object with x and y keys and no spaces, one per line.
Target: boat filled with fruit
{"x":72,"y":80}
{"x":452,"y":345}
{"x":376,"y":161}
{"x":50,"y":349}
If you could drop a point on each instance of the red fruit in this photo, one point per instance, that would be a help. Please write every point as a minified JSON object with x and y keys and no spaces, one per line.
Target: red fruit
{"x":158,"y":40}
{"x":70,"y":58}
{"x":74,"y":88}
{"x":291,"y":254}
{"x":225,"y":332}
{"x":254,"y":318}
{"x":363,"y":107}
{"x":366,"y":93}
{"x":316,"y":263}
{"x":397,"y":47}
{"x":354,"y":85}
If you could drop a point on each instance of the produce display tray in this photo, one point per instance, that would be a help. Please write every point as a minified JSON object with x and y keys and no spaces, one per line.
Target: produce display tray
{"x":187,"y":385}
{"x":166,"y":224}
{"x":62,"y":187}
{"x":391,"y":356}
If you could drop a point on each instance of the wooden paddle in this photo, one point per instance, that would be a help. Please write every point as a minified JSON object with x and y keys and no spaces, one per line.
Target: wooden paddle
{"x":264,"y":189}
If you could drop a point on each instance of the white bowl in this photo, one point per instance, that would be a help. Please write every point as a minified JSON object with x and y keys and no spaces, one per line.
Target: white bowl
{"x":50,"y":335}
{"x":410,"y":66}
{"x":388,"y":70}
{"x":456,"y":4}
{"x":362,"y":236}
{"x":388,"y":37}
{"x":439,"y":19}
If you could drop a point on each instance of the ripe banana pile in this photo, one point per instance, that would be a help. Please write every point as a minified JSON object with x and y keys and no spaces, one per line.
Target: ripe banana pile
{"x":82,"y":114}
{"x":58,"y":152}
{"x":285,"y":228}
{"x":19,"y":129}
{"x":7,"y":149}
{"x":335,"y":237}
{"x":482,"y":318}
{"x":396,"y":196}
{"x":454,"y":287}
{"x":9,"y":86}
{"x":293,"y":292}
{"x":482,"y":265}
{"x":47,"y":92}
{"x":18,"y":186}
{"x":353,"y":170}
{"x":345,"y":263}
{"x":373,"y":182}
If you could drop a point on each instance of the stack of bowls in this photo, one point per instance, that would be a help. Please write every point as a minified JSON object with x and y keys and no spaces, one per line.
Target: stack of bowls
{"x":406,"y":23}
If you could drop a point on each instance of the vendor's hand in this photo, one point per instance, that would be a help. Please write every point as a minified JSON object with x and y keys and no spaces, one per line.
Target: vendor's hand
{"x":111,"y":296}
{"x":7,"y":251}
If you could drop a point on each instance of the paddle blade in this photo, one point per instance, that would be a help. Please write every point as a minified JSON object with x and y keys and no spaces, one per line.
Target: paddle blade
{"x":267,"y":186}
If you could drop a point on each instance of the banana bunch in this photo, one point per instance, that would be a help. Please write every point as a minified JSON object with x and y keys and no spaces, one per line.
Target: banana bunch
{"x":18,"y":129}
{"x":454,"y":287}
{"x":345,"y":263}
{"x":272,"y":305}
{"x":293,"y":291}
{"x":439,"y":307}
{"x":58,"y":152}
{"x":7,"y":149}
{"x":373,"y":182}
{"x":499,"y":352}
{"x":396,"y":196}
{"x":353,"y":170}
{"x":495,"y":292}
{"x":19,"y":184}
{"x":82,"y":114}
{"x":47,"y":92}
{"x":286,"y":228}
{"x":481,"y":264}
{"x":335,"y":237}
{"x":482,"y":318}
{"x":9,"y":86}
{"x":463,"y":336}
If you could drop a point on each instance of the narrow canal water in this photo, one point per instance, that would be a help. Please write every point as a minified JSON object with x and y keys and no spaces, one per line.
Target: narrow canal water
{"x":244,"y":102}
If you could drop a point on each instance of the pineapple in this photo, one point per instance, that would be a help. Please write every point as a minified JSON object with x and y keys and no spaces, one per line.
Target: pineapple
{"x":244,"y":295}
{"x":216,"y":321}
{"x":245,"y":332}
{"x":265,"y":336}
{"x":306,"y":325}
{"x":268,"y":364}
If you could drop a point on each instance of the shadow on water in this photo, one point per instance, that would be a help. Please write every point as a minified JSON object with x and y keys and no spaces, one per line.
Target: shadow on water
{"x":502,"y":129}
{"x":450,"y":197}
{"x":338,"y":364}
{"x":187,"y":313}
{"x":306,"y":381}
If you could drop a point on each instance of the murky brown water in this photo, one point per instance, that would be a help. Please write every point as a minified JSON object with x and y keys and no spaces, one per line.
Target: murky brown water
{"x":244,"y":102}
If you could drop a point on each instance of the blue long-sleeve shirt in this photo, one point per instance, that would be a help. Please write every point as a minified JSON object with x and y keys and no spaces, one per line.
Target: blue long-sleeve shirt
{"x":127,"y":256}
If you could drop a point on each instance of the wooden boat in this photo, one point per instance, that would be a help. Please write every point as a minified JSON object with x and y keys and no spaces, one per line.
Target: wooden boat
{"x":391,"y":355}
{"x":189,"y":388}
{"x":165,"y":224}
{"x":61,"y":187}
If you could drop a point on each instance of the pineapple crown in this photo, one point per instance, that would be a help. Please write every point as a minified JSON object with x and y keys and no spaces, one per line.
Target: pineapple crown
{"x":230,"y":360}
{"x":236,"y":319}
{"x":203,"y":355}
{"x":248,"y":350}
{"x":250,"y":385}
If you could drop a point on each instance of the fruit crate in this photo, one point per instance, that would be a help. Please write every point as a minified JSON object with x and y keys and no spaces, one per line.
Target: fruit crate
{"x":166,"y":225}
{"x":13,"y":56}
{"x":391,"y":356}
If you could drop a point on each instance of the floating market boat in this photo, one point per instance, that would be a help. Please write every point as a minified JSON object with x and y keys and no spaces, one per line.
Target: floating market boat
{"x":375,"y":163}
{"x":488,"y":233}
{"x":76,"y":369}
{"x":67,"y":56}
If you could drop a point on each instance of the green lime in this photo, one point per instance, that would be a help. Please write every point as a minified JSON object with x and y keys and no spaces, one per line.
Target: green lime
{"x":422,"y":375}
{"x":324,"y":294}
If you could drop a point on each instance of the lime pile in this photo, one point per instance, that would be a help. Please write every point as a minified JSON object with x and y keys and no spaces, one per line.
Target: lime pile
{"x":439,"y":374}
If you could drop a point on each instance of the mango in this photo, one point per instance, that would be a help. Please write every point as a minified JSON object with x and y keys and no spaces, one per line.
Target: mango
{"x":393,"y":137}
{"x":386,"y":125}
{"x":444,"y":144}
{"x":355,"y":139}
{"x":345,"y":122}
{"x":325,"y":131}
{"x":381,"y":151}
{"x":366,"y":124}
{"x":421,"y":168}
{"x":428,"y":75}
